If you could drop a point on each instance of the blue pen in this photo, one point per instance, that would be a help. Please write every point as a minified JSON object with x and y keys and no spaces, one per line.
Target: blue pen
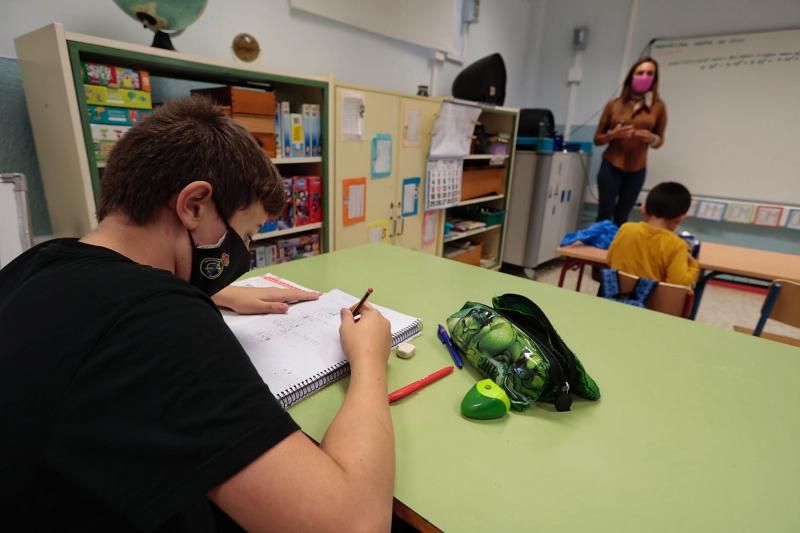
{"x":445,"y":338}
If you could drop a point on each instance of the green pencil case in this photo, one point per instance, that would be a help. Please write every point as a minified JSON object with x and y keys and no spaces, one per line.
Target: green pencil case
{"x":515,"y":345}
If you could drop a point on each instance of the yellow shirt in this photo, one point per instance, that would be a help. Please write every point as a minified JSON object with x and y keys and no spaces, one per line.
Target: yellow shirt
{"x":648,"y":252}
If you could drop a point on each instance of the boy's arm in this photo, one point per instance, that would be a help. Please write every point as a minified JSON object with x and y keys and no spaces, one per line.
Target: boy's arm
{"x":260,"y":300}
{"x":683,"y":269}
{"x":346,"y":483}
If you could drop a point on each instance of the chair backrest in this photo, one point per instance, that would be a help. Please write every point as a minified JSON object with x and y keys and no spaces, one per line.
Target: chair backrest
{"x":665,"y":298}
{"x":786,"y":308}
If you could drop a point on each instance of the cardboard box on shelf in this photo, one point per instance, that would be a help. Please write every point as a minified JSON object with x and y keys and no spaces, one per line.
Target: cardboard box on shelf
{"x":242,"y":99}
{"x":470,"y":255}
{"x":482,"y":181}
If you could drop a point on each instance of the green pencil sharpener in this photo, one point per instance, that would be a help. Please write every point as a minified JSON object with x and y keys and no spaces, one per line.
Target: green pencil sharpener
{"x":485,"y":400}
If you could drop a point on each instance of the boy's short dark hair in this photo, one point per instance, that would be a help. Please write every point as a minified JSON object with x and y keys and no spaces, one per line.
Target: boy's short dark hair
{"x":668,"y":200}
{"x":186,"y":140}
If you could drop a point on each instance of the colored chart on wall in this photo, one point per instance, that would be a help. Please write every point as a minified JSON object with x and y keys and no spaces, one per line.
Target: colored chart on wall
{"x":354,"y":198}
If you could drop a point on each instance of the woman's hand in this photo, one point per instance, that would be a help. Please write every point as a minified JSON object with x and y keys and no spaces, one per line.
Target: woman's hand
{"x":260,"y":300}
{"x":620,"y":132}
{"x":367,"y":341}
{"x":646,"y":136}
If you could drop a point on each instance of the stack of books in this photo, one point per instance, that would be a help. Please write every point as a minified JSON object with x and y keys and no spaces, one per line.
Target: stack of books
{"x":298,"y":134}
{"x":284,"y":250}
{"x":303,"y":204}
{"x":117,"y":98}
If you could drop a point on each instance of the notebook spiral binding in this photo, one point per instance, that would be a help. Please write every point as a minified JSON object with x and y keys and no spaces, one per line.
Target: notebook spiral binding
{"x":406,"y":333}
{"x":295,"y":393}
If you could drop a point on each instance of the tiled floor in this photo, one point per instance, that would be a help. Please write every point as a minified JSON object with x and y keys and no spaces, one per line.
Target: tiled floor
{"x":721,"y":306}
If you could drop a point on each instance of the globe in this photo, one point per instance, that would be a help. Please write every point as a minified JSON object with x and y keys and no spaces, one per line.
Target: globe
{"x":162,"y":16}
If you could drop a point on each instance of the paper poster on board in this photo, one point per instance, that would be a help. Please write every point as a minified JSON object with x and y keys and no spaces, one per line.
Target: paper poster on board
{"x":353,"y":115}
{"x":768,"y":215}
{"x":354,"y":200}
{"x":429,"y":228}
{"x":411,"y":127}
{"x":443,"y":183}
{"x":453,"y":130}
{"x":709,"y":210}
{"x":793,"y":220}
{"x":378,"y":231}
{"x":381,"y":156}
{"x":410,"y":197}
{"x":739,"y":212}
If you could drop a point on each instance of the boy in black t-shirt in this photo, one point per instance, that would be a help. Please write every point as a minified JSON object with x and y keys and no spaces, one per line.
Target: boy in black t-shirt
{"x":128,"y":405}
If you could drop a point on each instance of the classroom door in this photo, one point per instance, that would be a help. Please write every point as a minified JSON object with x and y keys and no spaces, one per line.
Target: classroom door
{"x":417,"y":116}
{"x":354,"y":160}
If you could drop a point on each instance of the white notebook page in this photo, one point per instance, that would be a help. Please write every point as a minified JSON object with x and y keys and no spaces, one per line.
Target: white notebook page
{"x":289,"y":349}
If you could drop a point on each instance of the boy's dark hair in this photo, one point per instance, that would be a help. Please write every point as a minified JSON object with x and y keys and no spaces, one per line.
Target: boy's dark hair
{"x":668,"y":200}
{"x":187,"y":140}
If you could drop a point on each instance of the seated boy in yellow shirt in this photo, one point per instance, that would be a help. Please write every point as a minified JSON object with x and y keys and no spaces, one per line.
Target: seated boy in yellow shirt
{"x":650,"y":249}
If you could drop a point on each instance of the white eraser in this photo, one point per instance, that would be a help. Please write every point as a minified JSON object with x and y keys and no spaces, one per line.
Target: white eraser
{"x":406,"y":350}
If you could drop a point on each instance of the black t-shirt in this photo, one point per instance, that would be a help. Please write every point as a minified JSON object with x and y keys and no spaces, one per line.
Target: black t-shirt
{"x":124,"y":397}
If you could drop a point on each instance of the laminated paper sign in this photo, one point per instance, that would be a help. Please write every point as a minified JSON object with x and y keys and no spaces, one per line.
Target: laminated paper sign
{"x":354,"y":199}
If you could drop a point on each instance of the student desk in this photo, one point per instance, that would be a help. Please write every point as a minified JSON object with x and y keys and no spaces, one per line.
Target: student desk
{"x":697,"y":428}
{"x":715,"y":260}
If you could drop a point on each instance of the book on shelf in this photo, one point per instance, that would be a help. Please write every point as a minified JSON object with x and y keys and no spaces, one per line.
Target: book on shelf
{"x":286,"y":128}
{"x":283,"y":250}
{"x":303,"y":205}
{"x":114,"y":76}
{"x":463,"y":225}
{"x":299,"y":353}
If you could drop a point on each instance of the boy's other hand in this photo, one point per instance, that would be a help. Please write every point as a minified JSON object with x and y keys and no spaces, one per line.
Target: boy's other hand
{"x":260,"y":300}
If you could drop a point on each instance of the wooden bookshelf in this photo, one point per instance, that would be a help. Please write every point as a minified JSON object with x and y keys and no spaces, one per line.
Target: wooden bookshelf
{"x":50,"y":61}
{"x":496,"y":119}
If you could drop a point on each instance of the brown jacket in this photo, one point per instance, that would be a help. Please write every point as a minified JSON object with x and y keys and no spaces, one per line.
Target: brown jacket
{"x":630,"y":154}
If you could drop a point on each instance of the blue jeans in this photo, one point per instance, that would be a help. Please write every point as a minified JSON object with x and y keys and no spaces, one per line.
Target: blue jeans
{"x":618,"y":192}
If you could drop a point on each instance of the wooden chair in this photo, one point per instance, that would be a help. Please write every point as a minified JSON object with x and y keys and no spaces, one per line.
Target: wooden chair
{"x":782,"y":304}
{"x":667,"y":298}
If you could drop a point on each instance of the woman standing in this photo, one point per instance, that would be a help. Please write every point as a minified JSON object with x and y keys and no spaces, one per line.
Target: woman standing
{"x":630,"y":125}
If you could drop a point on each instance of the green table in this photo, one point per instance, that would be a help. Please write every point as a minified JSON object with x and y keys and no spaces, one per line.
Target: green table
{"x":698,"y":428}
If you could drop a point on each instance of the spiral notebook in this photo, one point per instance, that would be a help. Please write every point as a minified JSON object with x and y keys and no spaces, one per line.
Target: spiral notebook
{"x":299,"y":353}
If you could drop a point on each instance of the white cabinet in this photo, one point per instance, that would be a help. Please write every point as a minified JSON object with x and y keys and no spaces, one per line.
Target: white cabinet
{"x":546,"y":201}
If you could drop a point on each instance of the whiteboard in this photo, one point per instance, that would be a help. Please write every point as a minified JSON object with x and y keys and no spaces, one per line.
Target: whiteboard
{"x":733,"y":106}
{"x":429,"y":23}
{"x":15,"y":235}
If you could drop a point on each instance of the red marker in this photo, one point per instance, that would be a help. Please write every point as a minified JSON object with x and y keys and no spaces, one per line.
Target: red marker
{"x":401,"y":393}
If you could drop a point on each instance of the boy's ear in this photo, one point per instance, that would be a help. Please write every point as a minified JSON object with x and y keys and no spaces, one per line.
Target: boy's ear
{"x":192,"y":202}
{"x":644,"y":212}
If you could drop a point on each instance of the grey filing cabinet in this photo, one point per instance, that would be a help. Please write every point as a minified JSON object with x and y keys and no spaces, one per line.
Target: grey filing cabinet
{"x":544,"y":204}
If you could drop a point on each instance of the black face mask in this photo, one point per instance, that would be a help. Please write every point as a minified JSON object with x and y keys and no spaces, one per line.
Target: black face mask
{"x":216,"y":266}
